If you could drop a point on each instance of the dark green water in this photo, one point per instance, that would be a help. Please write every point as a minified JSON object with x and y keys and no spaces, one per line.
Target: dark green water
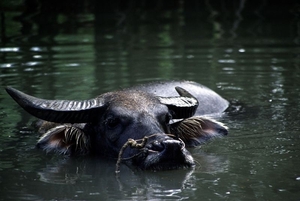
{"x":247,"y":52}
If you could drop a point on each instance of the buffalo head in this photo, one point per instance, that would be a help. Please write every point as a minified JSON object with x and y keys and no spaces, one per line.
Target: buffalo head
{"x":150,"y":132}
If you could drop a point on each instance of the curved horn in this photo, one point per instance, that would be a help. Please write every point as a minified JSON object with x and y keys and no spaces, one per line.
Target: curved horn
{"x":184,"y":106}
{"x":60,"y":111}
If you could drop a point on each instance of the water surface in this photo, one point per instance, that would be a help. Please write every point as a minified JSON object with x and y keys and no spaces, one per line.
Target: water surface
{"x":249,"y":53}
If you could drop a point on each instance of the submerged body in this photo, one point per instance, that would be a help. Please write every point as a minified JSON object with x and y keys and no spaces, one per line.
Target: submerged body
{"x":209,"y":101}
{"x":149,"y":125}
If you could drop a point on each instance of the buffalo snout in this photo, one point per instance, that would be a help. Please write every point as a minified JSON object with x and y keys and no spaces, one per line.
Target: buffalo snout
{"x":164,"y":153}
{"x":169,"y":147}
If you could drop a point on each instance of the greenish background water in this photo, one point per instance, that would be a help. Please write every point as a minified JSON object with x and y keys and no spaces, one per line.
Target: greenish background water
{"x":246,"y":51}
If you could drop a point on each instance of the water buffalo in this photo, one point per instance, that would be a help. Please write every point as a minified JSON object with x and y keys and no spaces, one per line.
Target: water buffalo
{"x":150,"y":125}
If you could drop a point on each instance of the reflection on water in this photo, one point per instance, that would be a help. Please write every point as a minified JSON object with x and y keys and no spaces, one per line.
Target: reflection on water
{"x":90,"y":178}
{"x":246,"y":51}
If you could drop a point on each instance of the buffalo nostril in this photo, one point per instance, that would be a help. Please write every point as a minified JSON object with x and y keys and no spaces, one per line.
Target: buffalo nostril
{"x":166,"y":145}
{"x":172,"y":148}
{"x":172,"y":144}
{"x":156,"y":146}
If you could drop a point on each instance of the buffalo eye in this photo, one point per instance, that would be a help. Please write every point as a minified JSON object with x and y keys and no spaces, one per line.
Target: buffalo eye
{"x":112,"y":122}
{"x":165,"y":122}
{"x":168,"y":117}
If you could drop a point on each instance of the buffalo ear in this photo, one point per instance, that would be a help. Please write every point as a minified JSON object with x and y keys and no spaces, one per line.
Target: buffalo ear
{"x":65,"y":139}
{"x":43,"y":126}
{"x":197,"y":130}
